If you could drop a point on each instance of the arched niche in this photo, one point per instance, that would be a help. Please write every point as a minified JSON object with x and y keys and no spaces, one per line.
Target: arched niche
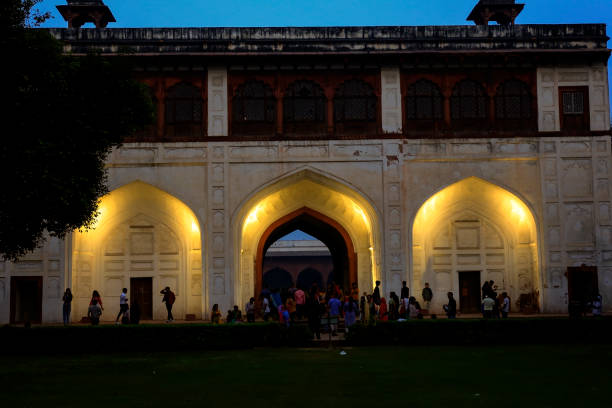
{"x":141,"y":232}
{"x":475,"y":226}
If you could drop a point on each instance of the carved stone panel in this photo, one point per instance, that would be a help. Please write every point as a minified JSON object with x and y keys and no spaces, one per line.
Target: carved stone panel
{"x":576,"y":178}
{"x":492,"y":238}
{"x":552,"y":214}
{"x":443,"y":282}
{"x":579,"y":224}
{"x":443,"y":240}
{"x":394,"y":217}
{"x":196,"y":285}
{"x":604,"y":213}
{"x":394,"y":193}
{"x":217,"y":101}
{"x":141,"y":243}
{"x":218,"y":285}
{"x":468,"y":237}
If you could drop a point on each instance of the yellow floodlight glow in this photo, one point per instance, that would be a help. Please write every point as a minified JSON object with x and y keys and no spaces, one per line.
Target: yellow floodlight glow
{"x":194,"y":227}
{"x":253,"y":215}
{"x":518,"y":210}
{"x":359,"y":211}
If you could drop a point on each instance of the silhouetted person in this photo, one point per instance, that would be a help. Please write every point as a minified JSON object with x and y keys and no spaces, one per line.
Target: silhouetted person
{"x":451,"y":307}
{"x":405,"y":292}
{"x":376,"y":294}
{"x":169,"y":299}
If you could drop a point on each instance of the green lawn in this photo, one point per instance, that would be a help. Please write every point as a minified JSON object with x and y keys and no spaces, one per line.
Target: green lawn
{"x":525,"y":376}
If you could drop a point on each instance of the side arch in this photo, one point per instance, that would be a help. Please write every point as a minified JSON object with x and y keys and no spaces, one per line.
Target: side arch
{"x":141,"y":232}
{"x":474,"y":225}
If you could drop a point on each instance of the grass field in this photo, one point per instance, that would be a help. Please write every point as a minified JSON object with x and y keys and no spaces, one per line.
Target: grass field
{"x":522,"y":376}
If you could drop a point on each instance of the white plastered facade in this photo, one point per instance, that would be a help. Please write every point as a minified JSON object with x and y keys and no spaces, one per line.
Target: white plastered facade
{"x":561,"y":183}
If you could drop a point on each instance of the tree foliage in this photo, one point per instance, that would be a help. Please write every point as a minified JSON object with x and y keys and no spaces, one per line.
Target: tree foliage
{"x":64,"y":114}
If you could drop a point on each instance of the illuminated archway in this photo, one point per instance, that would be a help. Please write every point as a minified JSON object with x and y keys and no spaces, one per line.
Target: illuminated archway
{"x":305,"y":192}
{"x":325,"y":229}
{"x":141,"y":232}
{"x":475,"y":226}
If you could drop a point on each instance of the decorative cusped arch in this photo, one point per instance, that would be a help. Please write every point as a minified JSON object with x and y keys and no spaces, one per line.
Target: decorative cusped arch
{"x":141,"y":232}
{"x":308,"y":191}
{"x":475,"y":225}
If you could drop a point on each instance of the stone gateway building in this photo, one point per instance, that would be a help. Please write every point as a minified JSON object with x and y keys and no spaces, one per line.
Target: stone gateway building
{"x":451,"y":155}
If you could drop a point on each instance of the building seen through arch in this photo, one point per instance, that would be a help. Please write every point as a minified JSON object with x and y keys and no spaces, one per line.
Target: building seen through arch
{"x":447,"y":155}
{"x":298,"y":260}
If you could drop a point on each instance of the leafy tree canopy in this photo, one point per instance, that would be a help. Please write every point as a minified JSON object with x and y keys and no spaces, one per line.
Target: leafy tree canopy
{"x":63,"y":115}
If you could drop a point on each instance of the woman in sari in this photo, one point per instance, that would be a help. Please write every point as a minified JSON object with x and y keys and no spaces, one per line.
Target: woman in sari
{"x":383,"y":313}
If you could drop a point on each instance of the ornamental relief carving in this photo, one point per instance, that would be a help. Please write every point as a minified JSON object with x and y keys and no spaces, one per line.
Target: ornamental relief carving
{"x":579,"y":224}
{"x":576,"y":177}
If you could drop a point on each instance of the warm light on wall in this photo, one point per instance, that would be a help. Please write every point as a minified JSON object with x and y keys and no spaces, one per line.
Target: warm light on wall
{"x":194,"y":227}
{"x":359,"y":211}
{"x":518,"y":211}
{"x":252,"y":217}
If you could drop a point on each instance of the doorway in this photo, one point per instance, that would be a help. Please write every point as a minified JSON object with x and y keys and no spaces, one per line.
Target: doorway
{"x":142,"y":296}
{"x":469,"y":291}
{"x":582,"y":287}
{"x":26,"y":299}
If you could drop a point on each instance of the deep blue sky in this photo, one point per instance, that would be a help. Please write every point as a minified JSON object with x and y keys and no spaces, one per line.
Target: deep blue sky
{"x":236,"y":13}
{"x":196,"y":13}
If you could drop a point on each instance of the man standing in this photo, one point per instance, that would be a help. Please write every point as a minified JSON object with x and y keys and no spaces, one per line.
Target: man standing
{"x":505,"y":305}
{"x":451,"y":306}
{"x":427,"y":296}
{"x":334,"y":312}
{"x":376,"y":294}
{"x":487,"y":305}
{"x":123,"y":304}
{"x":168,"y":299}
{"x":405,"y":293}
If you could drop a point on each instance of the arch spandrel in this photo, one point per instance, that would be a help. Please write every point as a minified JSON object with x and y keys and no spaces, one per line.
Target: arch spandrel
{"x":474,"y":225}
{"x":305,"y":189}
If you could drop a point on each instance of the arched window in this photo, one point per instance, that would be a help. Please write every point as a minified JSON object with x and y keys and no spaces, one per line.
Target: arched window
{"x":308,"y":277}
{"x":424,"y":101}
{"x":253,"y":108}
{"x":304,"y":109}
{"x":355,"y":101}
{"x":304,"y":101}
{"x":468,"y":101}
{"x":513,"y":101}
{"x":184,"y":110}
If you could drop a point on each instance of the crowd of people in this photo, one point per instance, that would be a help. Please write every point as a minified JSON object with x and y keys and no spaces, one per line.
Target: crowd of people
{"x":334,"y":302}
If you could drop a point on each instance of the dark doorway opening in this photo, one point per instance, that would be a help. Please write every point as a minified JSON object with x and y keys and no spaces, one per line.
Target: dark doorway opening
{"x":582,"y":288}
{"x":26,"y":299}
{"x":469,"y":292}
{"x":142,"y":297}
{"x":277,"y":278}
{"x":324,"y":229}
{"x":308,"y":277}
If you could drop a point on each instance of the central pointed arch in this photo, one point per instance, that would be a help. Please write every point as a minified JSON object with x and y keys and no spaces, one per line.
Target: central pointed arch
{"x":325,"y":229}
